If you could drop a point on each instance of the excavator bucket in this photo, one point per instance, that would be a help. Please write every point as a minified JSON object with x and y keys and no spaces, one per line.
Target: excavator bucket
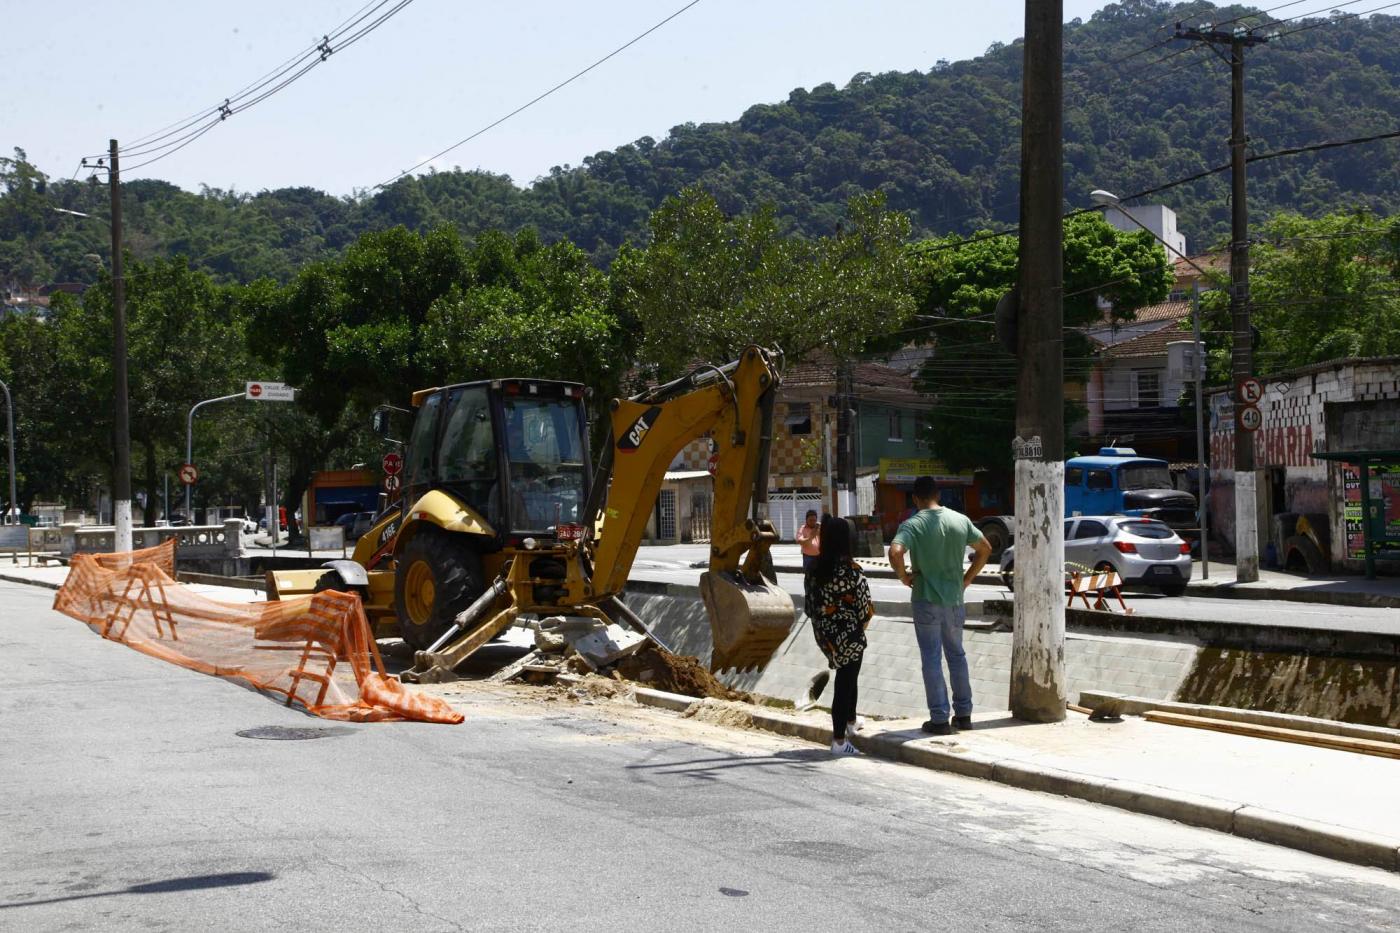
{"x":748,"y":621}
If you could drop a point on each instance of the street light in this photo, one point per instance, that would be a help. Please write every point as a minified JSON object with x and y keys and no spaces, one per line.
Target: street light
{"x":1107,"y":199}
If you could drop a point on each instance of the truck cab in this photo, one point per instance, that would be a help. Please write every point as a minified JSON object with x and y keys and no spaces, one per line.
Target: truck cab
{"x":1118,"y":482}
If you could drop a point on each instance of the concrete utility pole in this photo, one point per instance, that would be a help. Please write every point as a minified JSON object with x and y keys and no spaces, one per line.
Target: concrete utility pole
{"x":1038,"y":643}
{"x":121,"y":479}
{"x":1242,"y":357}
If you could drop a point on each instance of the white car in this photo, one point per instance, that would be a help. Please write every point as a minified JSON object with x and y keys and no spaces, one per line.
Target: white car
{"x":1143,"y":551}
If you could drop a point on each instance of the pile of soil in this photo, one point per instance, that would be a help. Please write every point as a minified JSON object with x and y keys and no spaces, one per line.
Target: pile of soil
{"x":720,"y":713}
{"x":654,"y":666}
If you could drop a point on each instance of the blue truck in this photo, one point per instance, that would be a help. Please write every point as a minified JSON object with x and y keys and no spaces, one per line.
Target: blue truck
{"x":1115,"y":481}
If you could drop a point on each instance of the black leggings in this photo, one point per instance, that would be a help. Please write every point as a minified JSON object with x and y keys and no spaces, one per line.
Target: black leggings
{"x":843,"y":698}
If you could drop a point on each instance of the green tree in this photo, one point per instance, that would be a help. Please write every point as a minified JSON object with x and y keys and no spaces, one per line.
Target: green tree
{"x":970,"y":376}
{"x":709,"y":284}
{"x":1320,"y":290}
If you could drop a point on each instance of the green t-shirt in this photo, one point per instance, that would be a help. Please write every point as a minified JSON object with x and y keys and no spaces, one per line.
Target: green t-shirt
{"x":936,"y":540}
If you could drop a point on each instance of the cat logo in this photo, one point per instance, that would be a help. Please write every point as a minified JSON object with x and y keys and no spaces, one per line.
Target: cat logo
{"x":633,"y":436}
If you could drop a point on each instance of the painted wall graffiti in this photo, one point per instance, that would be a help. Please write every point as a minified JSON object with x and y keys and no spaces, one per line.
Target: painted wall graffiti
{"x":1278,"y":446}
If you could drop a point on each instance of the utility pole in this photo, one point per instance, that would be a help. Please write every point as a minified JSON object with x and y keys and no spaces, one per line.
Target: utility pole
{"x":845,"y":440}
{"x":1037,"y":691}
{"x":1242,"y":355}
{"x":121,"y":479}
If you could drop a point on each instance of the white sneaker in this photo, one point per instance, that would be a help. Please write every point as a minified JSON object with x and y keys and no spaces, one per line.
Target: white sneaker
{"x":844,"y":747}
{"x":855,"y":725}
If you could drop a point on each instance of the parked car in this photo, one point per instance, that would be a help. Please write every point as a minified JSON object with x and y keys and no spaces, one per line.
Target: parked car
{"x":1143,"y":551}
{"x":355,"y":524}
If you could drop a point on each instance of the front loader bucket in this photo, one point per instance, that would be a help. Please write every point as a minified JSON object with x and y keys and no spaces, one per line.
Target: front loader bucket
{"x":748,"y":621}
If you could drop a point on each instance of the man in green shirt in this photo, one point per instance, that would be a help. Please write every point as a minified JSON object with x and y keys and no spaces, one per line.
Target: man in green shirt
{"x":935,"y":538}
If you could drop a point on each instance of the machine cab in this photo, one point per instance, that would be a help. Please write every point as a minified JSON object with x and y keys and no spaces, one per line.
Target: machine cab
{"x":513,"y":450}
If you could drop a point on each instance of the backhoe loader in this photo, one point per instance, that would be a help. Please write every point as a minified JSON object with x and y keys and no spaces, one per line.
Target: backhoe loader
{"x":500,"y":518}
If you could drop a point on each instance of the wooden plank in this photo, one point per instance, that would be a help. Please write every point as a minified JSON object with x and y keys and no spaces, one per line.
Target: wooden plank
{"x":1278,"y":734}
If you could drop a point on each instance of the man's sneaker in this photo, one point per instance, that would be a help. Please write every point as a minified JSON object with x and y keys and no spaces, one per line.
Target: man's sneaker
{"x":855,"y":725}
{"x":937,"y":728}
{"x":963,"y":723}
{"x":844,"y":747}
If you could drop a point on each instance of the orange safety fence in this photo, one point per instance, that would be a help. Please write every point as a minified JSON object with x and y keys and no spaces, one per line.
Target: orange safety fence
{"x":287,"y":647}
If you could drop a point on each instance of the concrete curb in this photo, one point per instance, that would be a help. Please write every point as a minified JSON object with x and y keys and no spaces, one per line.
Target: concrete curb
{"x":1234,"y":817}
{"x":10,"y":578}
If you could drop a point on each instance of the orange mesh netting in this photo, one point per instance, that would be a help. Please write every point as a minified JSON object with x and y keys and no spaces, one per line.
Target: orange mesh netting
{"x":288,"y":647}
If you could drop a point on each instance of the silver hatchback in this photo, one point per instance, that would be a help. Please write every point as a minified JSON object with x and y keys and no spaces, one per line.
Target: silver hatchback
{"x":1142,"y":550}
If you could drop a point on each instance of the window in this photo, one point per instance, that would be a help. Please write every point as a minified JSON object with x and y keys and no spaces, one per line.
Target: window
{"x":1147,"y":476}
{"x":1074,"y":476}
{"x":896,"y":425}
{"x":799,"y":419}
{"x":545,"y":450}
{"x":1069,"y":523}
{"x":1148,"y":529}
{"x":420,"y":442}
{"x":1089,"y":529}
{"x":468,"y":449}
{"x":1100,"y":479}
{"x":1149,"y":388}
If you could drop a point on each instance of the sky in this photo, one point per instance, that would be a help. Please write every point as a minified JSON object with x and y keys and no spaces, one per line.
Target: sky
{"x":76,"y":75}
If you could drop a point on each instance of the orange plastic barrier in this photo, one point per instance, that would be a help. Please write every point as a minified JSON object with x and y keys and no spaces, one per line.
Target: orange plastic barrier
{"x":288,"y":647}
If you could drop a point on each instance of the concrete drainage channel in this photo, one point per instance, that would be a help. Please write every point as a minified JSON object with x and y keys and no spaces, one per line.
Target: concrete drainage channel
{"x":1236,"y":818}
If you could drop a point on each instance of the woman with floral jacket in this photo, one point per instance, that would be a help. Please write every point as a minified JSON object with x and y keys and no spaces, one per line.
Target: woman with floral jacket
{"x":841,"y":609}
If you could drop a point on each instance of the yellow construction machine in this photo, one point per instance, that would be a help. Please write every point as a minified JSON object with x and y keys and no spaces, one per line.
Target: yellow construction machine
{"x":500,"y":518}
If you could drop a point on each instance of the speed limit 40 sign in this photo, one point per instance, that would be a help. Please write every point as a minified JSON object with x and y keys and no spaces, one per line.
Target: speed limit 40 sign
{"x":1250,"y":419}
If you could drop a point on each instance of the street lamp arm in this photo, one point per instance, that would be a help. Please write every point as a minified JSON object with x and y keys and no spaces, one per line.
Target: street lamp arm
{"x":189,"y":440}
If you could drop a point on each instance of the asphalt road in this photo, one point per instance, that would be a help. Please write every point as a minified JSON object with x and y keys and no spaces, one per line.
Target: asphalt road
{"x":130,"y":802}
{"x":673,"y":565}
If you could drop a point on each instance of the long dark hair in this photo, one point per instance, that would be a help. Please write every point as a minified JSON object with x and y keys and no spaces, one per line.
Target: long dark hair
{"x":835,"y":548}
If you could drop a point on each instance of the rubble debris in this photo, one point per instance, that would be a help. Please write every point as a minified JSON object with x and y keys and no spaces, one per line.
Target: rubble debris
{"x":675,"y":673}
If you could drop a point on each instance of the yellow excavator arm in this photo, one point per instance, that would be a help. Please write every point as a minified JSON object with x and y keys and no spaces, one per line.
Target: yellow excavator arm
{"x":732,"y":404}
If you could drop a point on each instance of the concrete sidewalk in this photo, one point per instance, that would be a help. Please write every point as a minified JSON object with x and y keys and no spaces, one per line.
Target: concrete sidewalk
{"x":52,"y":578}
{"x":1332,"y":803}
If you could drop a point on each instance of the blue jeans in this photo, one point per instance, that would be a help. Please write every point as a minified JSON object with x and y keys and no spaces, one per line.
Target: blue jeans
{"x":939,"y":631}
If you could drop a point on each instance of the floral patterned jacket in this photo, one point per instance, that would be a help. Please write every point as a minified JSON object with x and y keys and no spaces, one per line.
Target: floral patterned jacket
{"x":841,"y":608}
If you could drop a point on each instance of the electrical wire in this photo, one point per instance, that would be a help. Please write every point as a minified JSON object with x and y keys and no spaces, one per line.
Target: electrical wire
{"x":173,"y":140}
{"x":528,"y":104}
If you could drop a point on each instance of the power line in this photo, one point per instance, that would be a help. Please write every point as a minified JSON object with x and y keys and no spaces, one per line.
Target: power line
{"x":527,"y":105}
{"x":186,"y":122}
{"x":188,"y":131}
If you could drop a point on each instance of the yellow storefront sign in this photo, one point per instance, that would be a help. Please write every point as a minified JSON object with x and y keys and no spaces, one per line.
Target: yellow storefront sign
{"x":902,"y":470}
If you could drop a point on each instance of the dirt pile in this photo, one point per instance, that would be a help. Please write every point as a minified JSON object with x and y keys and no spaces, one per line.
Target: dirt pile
{"x":720,"y":713}
{"x":654,"y":666}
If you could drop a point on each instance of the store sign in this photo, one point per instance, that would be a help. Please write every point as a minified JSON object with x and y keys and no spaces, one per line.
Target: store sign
{"x":901,"y":471}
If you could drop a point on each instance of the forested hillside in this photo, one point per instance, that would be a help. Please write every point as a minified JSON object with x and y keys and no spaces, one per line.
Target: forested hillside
{"x":942,"y":145}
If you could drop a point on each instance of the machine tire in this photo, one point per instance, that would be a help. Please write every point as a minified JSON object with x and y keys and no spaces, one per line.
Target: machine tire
{"x":997,"y":539}
{"x":451,"y":568}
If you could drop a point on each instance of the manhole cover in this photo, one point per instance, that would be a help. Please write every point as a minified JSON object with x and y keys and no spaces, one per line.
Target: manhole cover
{"x":291,"y":733}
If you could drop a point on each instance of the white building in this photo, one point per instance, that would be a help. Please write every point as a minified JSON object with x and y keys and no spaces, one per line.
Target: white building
{"x":1158,"y":218}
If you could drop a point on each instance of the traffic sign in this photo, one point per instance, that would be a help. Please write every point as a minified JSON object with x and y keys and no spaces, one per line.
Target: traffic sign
{"x":392,"y":463}
{"x":269,"y":392}
{"x":713,"y":464}
{"x":1251,"y":391}
{"x":188,"y":473}
{"x":392,"y":482}
{"x":1250,"y":419}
